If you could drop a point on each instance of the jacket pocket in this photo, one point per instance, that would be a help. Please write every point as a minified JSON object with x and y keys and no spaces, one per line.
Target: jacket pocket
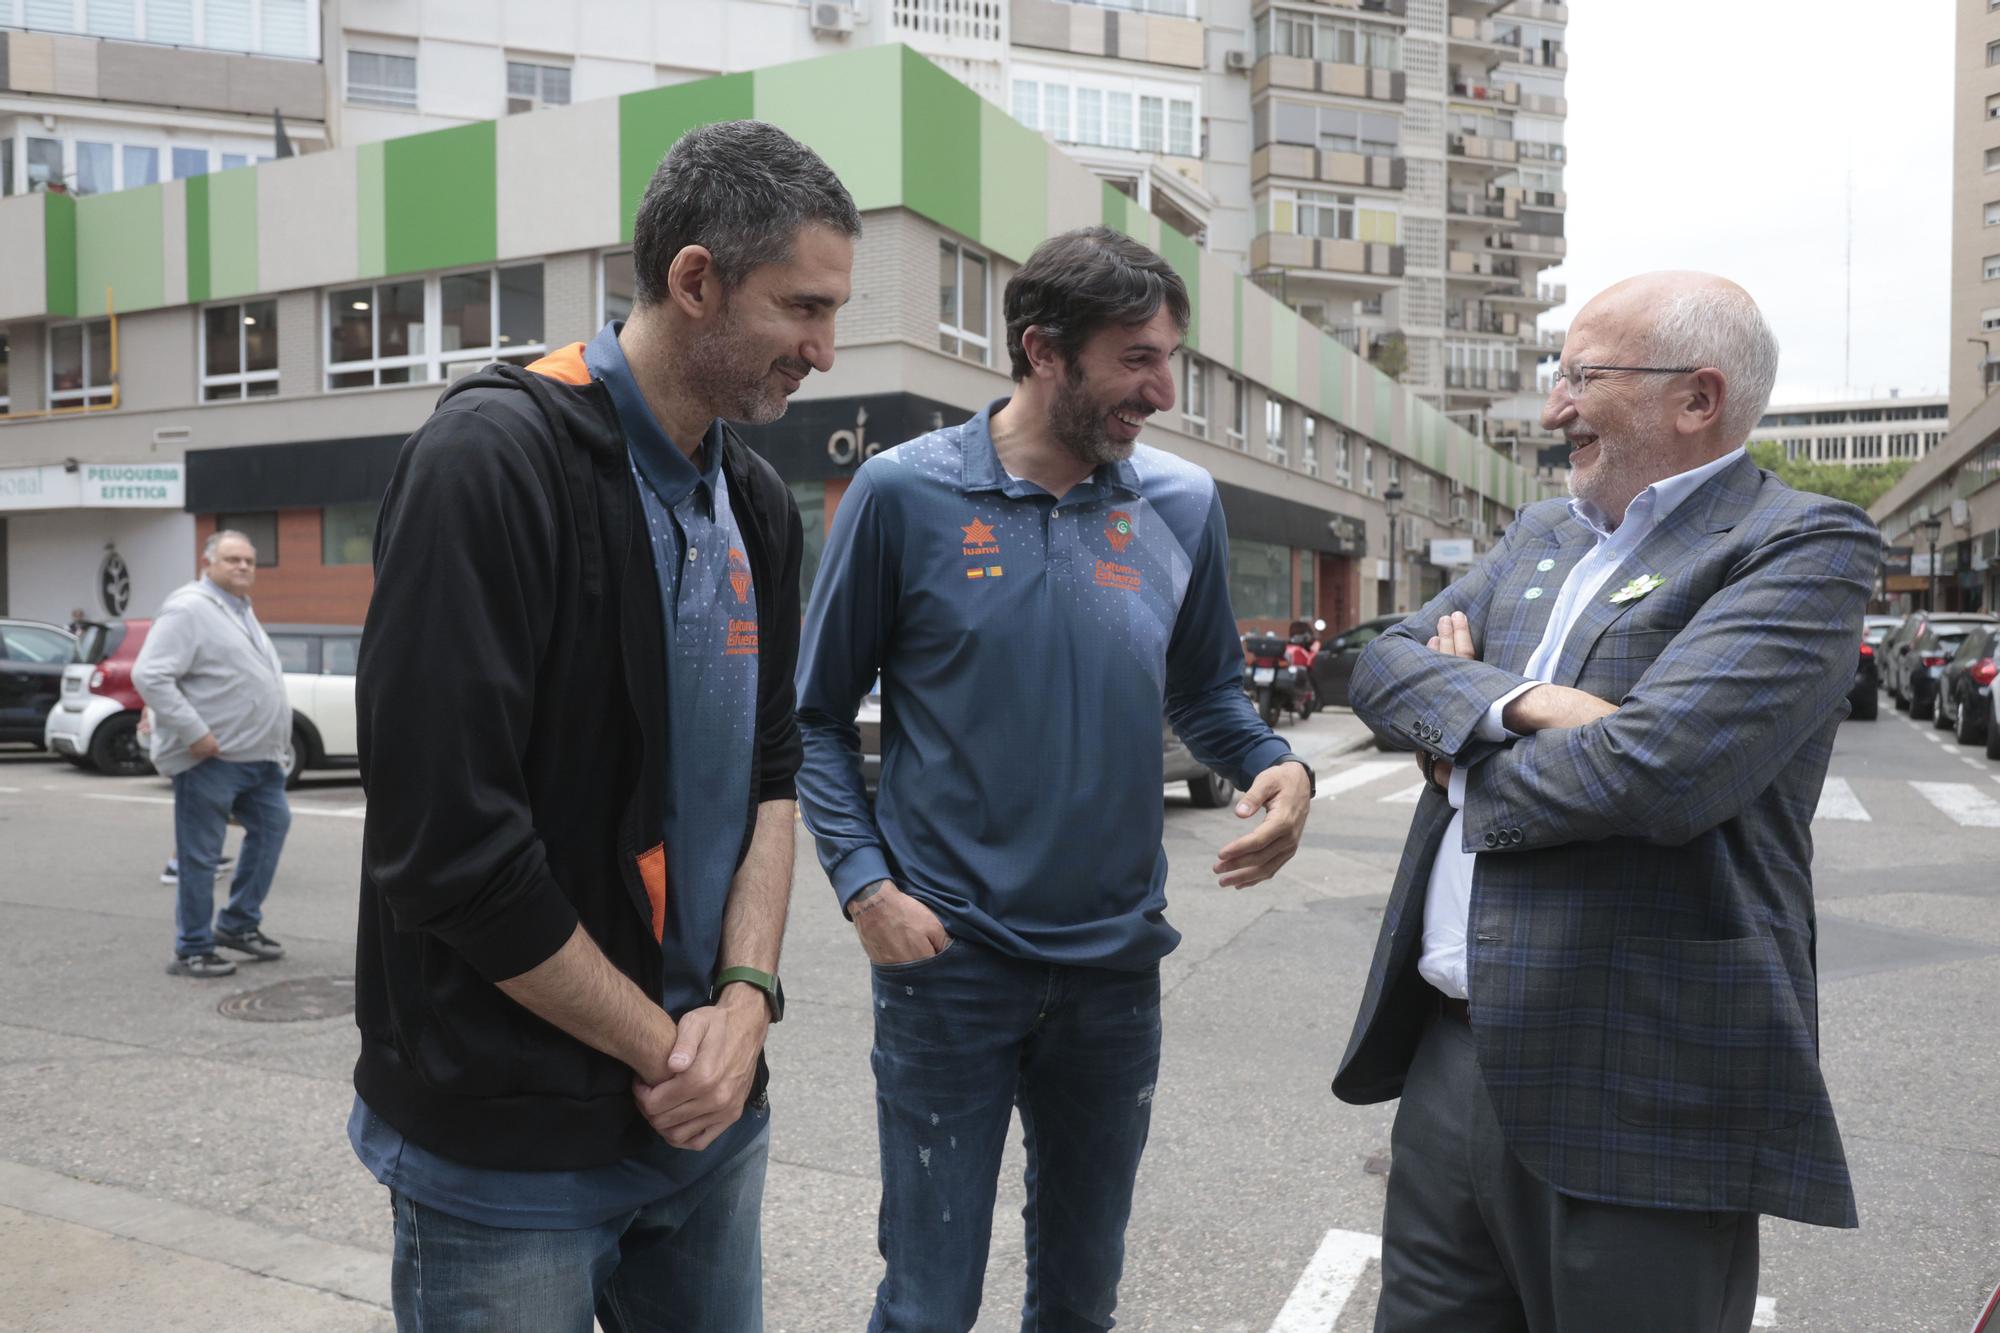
{"x":1640,"y":644}
{"x":1707,"y":1034}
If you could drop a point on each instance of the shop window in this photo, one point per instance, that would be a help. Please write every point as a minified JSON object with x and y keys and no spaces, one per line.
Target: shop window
{"x":261,"y":527}
{"x":1260,"y":580}
{"x":80,"y":364}
{"x":347,"y":533}
{"x":962,"y":327}
{"x":239,"y":350}
{"x":617,"y":288}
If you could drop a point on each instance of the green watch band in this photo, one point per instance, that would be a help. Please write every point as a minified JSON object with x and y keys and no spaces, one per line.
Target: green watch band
{"x":774,"y":993}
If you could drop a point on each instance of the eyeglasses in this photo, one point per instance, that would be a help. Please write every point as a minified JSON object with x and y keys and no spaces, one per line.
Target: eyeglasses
{"x":1577,"y":378}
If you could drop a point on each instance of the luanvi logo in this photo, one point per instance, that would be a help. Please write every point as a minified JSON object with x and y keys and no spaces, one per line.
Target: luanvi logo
{"x":1118,"y":530}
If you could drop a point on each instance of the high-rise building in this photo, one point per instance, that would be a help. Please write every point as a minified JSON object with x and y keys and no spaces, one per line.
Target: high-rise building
{"x":1951,"y":498}
{"x":1862,"y":433}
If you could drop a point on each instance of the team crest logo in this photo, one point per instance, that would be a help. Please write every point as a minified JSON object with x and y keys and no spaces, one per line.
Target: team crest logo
{"x":1118,"y":530}
{"x":739,"y":575}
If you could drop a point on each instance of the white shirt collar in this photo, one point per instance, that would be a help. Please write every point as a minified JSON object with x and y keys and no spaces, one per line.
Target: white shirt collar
{"x":1650,"y":507}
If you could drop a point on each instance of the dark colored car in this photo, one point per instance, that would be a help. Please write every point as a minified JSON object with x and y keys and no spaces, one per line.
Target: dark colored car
{"x":1864,"y":698}
{"x":1920,"y":659}
{"x":1965,"y":690}
{"x":32,"y":658}
{"x":1333,"y":668}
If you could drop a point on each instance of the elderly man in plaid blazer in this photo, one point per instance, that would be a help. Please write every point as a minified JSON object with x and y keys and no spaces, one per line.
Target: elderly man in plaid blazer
{"x":1595,"y":988}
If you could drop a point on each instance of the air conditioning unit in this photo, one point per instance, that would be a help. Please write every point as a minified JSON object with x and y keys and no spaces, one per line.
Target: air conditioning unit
{"x":1236,"y":60}
{"x":831,"y":19}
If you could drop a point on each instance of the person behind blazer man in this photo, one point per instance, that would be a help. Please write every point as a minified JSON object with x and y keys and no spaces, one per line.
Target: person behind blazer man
{"x":1594,"y":988}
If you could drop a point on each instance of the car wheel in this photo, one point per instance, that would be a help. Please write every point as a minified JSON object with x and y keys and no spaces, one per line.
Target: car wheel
{"x":1965,"y":726}
{"x":1992,"y":728}
{"x":1268,"y":709}
{"x":295,"y":759}
{"x":1935,"y":711}
{"x":117,"y":751}
{"x":1897,"y":698}
{"x":1864,"y":707}
{"x":1211,"y":791}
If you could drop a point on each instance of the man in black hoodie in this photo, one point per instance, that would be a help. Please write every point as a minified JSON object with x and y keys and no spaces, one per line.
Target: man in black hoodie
{"x":577,"y":738}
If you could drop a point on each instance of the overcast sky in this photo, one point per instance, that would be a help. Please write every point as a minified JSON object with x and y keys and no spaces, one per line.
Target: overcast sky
{"x":1717,"y":134}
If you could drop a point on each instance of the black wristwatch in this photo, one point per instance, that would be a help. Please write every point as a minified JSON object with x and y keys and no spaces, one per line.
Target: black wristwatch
{"x":774,"y":992}
{"x":1312,"y":779}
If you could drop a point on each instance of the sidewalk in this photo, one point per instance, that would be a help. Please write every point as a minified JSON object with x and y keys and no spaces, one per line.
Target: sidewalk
{"x":1328,"y":734}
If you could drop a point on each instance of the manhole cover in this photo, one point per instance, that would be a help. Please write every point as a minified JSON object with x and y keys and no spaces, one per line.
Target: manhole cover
{"x":296,"y":1001}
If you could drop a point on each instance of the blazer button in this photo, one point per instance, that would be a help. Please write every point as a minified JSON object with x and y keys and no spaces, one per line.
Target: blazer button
{"x":1492,"y":840}
{"x":1517,"y":835}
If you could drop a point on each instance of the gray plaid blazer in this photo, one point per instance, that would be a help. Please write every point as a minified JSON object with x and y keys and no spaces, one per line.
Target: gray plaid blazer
{"x":1642,"y":940}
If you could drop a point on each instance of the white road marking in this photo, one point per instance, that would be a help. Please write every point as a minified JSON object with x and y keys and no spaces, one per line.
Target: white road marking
{"x":1407,"y":796}
{"x":1766,"y":1314}
{"x":1347,"y":779}
{"x":338,"y":812}
{"x":10,"y":791}
{"x":1962,"y":803}
{"x":1932,"y":737}
{"x":1323,"y":1289}
{"x":1838,"y":801}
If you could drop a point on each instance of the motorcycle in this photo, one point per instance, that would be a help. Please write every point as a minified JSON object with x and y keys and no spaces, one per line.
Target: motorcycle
{"x":1278,"y":676}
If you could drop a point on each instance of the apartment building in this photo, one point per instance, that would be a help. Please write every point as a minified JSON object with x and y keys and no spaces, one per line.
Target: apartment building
{"x":1858,"y":434}
{"x":1951,"y":498}
{"x":250,"y":348}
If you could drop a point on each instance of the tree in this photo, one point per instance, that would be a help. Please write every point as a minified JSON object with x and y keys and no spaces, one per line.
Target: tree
{"x":1392,"y":356}
{"x":1857,"y":485}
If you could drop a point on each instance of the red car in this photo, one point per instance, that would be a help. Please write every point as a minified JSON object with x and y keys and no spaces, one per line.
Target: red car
{"x":96,"y":722}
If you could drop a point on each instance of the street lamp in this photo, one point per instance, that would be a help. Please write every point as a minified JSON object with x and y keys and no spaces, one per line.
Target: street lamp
{"x":1929,"y":527}
{"x":1392,"y":501}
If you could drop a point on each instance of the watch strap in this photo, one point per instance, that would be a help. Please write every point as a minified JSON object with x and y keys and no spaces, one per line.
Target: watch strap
{"x":774,"y":994}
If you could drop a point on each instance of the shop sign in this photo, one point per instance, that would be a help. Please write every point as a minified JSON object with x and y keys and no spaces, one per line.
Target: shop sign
{"x":132,"y":486}
{"x":1451,"y":552}
{"x":1896,"y":559}
{"x":1350,"y":535}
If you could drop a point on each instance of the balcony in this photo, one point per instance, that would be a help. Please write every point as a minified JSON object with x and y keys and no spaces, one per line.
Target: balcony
{"x":1543,"y":296}
{"x":1476,"y":44}
{"x":1478,"y":90}
{"x":1394,"y":8}
{"x":1550,"y":341}
{"x":1320,"y":76}
{"x":1557,"y":200}
{"x":1486,"y":209}
{"x":1477,"y":150}
{"x":1332,"y":168}
{"x":1528,"y":150}
{"x":1374,"y":263}
{"x":1539,"y":11}
{"x":1482,"y":321}
{"x":1479,"y":379}
{"x":1529,"y":243}
{"x":1147,"y":30}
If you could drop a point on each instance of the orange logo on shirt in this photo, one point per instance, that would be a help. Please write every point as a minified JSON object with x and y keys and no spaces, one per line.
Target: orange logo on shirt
{"x":979,"y":538}
{"x":1111,"y":574}
{"x":739,"y":575}
{"x":1118,"y":530}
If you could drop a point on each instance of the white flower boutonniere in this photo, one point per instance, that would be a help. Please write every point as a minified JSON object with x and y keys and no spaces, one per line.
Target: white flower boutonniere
{"x":1636,"y":589}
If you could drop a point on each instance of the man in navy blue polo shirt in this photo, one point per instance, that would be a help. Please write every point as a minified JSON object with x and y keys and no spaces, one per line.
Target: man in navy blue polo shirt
{"x":1033,"y":588}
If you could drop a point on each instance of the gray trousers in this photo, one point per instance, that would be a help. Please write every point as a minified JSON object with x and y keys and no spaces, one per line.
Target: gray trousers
{"x":1474,"y":1243}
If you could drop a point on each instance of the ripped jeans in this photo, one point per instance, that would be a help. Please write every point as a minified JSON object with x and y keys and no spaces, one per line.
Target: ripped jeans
{"x":961,"y":1040}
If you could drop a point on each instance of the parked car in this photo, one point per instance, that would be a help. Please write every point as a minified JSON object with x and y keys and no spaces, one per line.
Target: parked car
{"x":33,"y":657}
{"x":1874,"y":629}
{"x":1333,"y":668}
{"x":1965,"y":688}
{"x":1864,"y":698}
{"x":319,"y":663}
{"x":97,"y":723}
{"x":1921,"y":658}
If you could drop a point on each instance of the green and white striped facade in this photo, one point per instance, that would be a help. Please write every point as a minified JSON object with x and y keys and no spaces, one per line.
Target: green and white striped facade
{"x":925,"y":158}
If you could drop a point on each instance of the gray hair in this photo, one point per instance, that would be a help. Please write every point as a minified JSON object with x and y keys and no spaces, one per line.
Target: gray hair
{"x":1718,"y":325}
{"x":215,"y":539}
{"x":741,"y":190}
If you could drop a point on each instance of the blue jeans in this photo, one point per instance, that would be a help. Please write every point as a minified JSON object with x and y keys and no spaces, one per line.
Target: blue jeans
{"x":204,"y":798}
{"x":692,"y":1263}
{"x":963,"y":1038}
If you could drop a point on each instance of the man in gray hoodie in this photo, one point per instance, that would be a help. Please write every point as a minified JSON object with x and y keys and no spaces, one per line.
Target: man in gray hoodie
{"x":221,"y":730}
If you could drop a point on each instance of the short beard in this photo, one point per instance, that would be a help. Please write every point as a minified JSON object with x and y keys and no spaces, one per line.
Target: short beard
{"x":1077,"y":423}
{"x":721,"y":365}
{"x":1619,"y":476}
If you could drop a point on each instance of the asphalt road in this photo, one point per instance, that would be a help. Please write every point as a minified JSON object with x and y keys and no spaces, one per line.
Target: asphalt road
{"x":164,"y":1165}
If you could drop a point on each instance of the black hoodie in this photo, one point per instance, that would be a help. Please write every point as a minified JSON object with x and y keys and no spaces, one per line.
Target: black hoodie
{"x":511,"y":708}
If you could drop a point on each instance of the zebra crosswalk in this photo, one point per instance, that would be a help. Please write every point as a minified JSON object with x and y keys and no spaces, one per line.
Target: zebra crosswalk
{"x":1842,"y":801}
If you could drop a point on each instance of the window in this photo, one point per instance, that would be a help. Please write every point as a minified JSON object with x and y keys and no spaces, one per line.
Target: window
{"x":1194,"y":394}
{"x":1118,"y":120}
{"x":261,"y":527}
{"x":617,"y":288}
{"x":1993,"y":159}
{"x":45,"y":163}
{"x":1239,"y":411}
{"x":1260,"y":580}
{"x":6,"y":166}
{"x":1993,"y":106}
{"x":1152,"y":125}
{"x":1992,"y":267}
{"x":142,"y":166}
{"x":415,"y":330}
{"x":1152,"y":115}
{"x":1180,"y":128}
{"x":1368,"y":468}
{"x":1336,"y":41}
{"x":1308,"y":593}
{"x":96,"y":168}
{"x":239,"y":351}
{"x":1027,"y":103}
{"x":1335,"y":217}
{"x":1055,"y":110}
{"x":347,"y":534}
{"x":1277,"y":444}
{"x":962,"y":302}
{"x":1993,"y":53}
{"x":190,"y":162}
{"x":1333,"y":129}
{"x":1343,"y":457}
{"x":1309,"y":445}
{"x":340,"y":654}
{"x":1993,"y":213}
{"x":80,"y":364}
{"x":231,"y":161}
{"x":1089,"y":115}
{"x":1990,"y":319}
{"x":295,"y":653}
{"x":531,"y":87}
{"x":5,"y":400}
{"x":379,"y":79}
{"x":28,"y":643}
